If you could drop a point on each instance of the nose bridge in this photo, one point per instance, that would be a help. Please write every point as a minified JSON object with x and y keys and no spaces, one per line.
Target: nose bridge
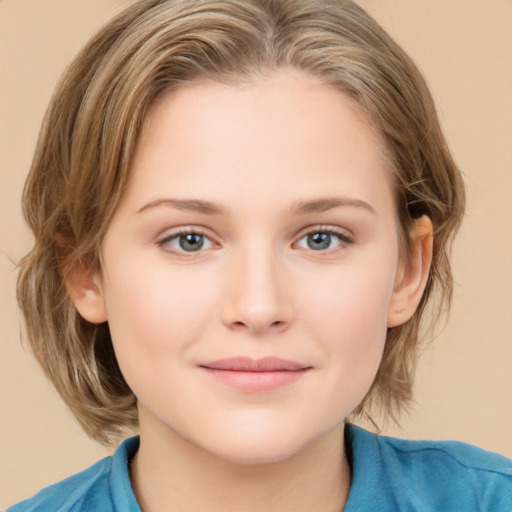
{"x":257,"y":298}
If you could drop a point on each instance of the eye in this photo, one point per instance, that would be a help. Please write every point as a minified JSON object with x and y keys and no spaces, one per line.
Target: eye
{"x":323,"y":240}
{"x":187,"y":241}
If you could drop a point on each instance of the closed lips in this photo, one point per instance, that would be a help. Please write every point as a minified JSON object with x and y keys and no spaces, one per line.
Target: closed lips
{"x":247,"y":364}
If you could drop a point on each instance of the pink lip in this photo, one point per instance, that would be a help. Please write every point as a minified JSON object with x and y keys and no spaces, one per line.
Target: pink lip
{"x":255,"y":375}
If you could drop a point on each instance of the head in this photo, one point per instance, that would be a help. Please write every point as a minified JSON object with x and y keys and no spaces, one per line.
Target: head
{"x":85,"y":159}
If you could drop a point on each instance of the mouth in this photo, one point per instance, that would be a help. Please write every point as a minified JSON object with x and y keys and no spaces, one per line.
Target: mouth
{"x":255,"y":375}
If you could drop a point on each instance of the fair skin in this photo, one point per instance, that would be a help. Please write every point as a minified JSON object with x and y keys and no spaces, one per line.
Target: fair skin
{"x":297,"y":259}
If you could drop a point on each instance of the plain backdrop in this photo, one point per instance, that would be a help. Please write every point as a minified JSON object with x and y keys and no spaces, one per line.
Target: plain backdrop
{"x":464,"y":386}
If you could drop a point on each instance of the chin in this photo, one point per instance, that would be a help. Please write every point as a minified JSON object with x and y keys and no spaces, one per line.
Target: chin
{"x":259,"y":446}
{"x":250,"y":453}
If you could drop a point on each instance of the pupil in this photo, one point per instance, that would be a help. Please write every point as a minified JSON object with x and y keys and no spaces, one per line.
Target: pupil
{"x":319,"y":240}
{"x":191,"y":242}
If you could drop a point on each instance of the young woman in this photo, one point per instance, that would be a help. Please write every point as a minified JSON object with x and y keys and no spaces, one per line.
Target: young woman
{"x":241,"y":211}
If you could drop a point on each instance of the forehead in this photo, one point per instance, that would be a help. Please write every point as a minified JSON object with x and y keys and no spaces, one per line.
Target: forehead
{"x":286,"y":130}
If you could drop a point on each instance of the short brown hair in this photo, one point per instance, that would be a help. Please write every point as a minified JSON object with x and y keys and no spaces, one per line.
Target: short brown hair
{"x":87,"y":140}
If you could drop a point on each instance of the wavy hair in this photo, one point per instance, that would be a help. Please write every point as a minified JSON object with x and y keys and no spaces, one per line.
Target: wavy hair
{"x":86,"y":144}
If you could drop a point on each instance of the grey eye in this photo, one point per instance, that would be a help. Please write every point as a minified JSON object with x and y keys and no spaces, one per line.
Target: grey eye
{"x":319,"y":241}
{"x":191,"y":242}
{"x":322,"y":240}
{"x":187,"y":242}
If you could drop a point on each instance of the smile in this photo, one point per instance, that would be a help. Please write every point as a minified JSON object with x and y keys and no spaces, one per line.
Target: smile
{"x":255,"y":375}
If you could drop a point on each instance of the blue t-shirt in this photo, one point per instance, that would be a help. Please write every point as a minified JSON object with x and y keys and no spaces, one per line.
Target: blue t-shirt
{"x":389,"y":475}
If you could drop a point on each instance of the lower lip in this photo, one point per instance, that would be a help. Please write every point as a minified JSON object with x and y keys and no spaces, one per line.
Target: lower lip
{"x":256,"y":382}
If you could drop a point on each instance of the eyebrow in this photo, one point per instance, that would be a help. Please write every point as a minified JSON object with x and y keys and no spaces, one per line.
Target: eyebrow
{"x":189,"y":205}
{"x":324,"y":204}
{"x":301,"y":207}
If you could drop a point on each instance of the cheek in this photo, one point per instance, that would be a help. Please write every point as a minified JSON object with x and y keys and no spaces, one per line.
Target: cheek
{"x":156,"y":318}
{"x":158,"y":309}
{"x":353,"y":301}
{"x":348,"y":318}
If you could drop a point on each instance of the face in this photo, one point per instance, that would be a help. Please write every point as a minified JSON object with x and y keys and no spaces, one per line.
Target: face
{"x":249,"y":273}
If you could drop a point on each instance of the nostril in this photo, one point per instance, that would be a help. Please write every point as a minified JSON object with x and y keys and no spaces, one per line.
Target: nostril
{"x":278,"y":326}
{"x":274,"y":325}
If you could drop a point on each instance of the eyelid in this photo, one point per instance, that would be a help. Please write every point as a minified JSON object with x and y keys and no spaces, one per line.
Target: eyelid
{"x":343,"y":233}
{"x":163,"y":240}
{"x":345,"y":238}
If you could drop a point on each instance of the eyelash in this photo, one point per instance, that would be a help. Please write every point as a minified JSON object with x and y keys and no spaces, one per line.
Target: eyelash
{"x":164,"y":242}
{"x":344,"y":240}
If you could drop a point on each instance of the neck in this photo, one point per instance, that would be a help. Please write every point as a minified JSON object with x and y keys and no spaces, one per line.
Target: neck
{"x":172,"y":474}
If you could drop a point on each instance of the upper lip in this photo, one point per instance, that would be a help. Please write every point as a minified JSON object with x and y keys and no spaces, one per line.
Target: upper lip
{"x":248,"y":364}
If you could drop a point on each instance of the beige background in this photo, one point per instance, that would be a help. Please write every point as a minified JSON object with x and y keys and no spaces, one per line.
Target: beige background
{"x":464,"y":386}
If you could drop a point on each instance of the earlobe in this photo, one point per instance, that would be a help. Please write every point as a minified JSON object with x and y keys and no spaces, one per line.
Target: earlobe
{"x":412,"y":273}
{"x":84,"y":288}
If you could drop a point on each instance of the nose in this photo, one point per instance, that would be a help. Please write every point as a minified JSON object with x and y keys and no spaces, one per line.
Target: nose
{"x":258,"y":295}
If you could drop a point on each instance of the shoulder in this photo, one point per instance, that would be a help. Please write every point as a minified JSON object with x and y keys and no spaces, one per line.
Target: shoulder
{"x":435,"y":475}
{"x":454,"y":454}
{"x":103,"y":486}
{"x":73,"y":493}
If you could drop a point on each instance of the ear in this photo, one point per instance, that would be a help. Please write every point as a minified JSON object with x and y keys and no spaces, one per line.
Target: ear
{"x":83,"y":284}
{"x":412,"y":273}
